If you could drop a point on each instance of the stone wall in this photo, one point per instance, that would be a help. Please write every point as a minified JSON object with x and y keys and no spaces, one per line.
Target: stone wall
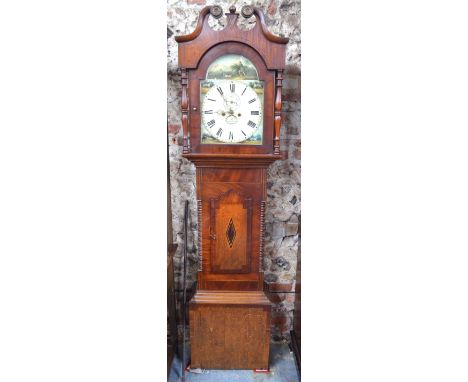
{"x":284,"y":200}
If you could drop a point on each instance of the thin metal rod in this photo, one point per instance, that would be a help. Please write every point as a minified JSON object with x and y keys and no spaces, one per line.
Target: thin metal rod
{"x":184,"y":296}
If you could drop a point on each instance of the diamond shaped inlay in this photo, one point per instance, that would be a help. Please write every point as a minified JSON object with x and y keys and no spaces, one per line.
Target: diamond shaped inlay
{"x":231,"y":233}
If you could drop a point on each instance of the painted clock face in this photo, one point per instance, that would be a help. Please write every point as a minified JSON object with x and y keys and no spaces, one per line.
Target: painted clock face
{"x":231,"y":102}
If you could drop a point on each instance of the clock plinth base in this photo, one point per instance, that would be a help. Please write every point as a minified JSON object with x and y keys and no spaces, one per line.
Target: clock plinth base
{"x":230,"y":330}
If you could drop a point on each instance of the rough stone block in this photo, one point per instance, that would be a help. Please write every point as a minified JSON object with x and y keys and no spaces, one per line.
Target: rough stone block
{"x":287,"y":5}
{"x":278,"y":230}
{"x":280,"y":287}
{"x":281,"y":213}
{"x":174,"y":128}
{"x":291,"y":228}
{"x":288,"y":276}
{"x":280,"y":322}
{"x":198,"y":2}
{"x":276,"y":298}
{"x":292,"y":87}
{"x":270,"y":277}
{"x":282,"y":263}
{"x":272,"y":8}
{"x":297,"y":153}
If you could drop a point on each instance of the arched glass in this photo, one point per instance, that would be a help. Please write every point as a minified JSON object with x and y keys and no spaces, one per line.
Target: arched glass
{"x":231,"y":102}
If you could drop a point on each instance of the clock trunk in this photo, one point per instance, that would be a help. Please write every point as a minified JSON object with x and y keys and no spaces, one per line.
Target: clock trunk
{"x":232,"y":204}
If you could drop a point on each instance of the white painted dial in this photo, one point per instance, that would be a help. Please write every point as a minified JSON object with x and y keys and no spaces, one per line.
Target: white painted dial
{"x":231,"y":111}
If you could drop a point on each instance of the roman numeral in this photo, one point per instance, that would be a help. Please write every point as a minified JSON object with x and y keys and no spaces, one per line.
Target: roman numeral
{"x":211,"y":123}
{"x":220,"y":90}
{"x":231,"y":137}
{"x":242,"y":131}
{"x":211,"y":99}
{"x":253,"y":112}
{"x":252,"y":100}
{"x":244,"y":90}
{"x":220,"y":131}
{"x":251,"y":124}
{"x":232,"y":87}
{"x":208,"y":111}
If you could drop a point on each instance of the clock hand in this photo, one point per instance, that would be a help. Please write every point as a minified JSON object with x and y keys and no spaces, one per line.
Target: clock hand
{"x":234,"y":112}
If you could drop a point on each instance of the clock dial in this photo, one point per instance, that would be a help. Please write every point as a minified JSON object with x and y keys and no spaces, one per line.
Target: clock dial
{"x":231,"y":111}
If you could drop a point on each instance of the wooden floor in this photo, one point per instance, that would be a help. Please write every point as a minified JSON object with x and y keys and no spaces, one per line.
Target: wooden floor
{"x":282,"y":369}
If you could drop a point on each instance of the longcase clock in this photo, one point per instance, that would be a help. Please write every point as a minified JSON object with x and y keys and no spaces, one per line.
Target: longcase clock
{"x":231,"y":119}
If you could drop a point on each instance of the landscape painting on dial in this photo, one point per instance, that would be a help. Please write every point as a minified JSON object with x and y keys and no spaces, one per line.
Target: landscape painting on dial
{"x":232,"y":67}
{"x":231,"y":102}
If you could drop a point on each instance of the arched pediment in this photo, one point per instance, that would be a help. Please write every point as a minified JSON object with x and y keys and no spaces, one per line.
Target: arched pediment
{"x":193,"y":46}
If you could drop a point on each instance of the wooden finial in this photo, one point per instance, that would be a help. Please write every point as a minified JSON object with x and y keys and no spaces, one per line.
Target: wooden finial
{"x":216,"y":11}
{"x":247,"y":11}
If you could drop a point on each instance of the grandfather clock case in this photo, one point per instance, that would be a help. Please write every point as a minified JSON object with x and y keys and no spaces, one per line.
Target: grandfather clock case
{"x":231,"y":120}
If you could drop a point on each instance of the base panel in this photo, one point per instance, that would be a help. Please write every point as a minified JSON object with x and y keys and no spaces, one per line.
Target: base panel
{"x":230,"y":330}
